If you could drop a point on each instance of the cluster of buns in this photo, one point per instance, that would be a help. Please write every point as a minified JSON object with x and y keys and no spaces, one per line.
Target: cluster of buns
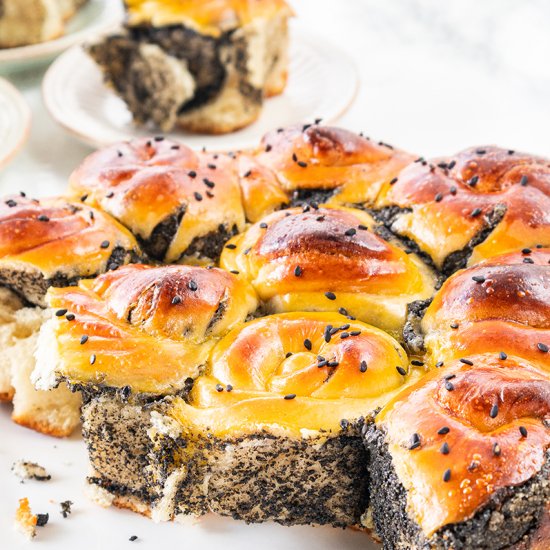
{"x":328,"y":331}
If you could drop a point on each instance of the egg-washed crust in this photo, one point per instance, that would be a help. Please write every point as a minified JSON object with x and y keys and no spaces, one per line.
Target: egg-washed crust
{"x":329,"y":165}
{"x":329,"y":259}
{"x":147,"y":329}
{"x":467,"y":440}
{"x":501,"y":305}
{"x":210,"y":17}
{"x":53,"y":242}
{"x":494,"y":201}
{"x":180,"y":204}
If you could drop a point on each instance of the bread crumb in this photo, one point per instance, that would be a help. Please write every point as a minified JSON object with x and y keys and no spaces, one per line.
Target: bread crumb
{"x":30,"y":470}
{"x":25,"y":521}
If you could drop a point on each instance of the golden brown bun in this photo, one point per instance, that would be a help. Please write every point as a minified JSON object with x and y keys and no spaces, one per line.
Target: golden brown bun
{"x":314,"y":157}
{"x":501,"y":305}
{"x":53,"y":241}
{"x":294,"y":258}
{"x":453,"y":199}
{"x":487,"y":451}
{"x":282,"y":374}
{"x":149,"y":328}
{"x":172,"y":198}
{"x":211,"y":17}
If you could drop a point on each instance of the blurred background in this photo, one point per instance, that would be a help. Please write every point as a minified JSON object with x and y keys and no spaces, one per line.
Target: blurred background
{"x":435,"y":77}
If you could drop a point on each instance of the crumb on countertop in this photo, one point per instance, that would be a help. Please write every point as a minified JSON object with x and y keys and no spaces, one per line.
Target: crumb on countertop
{"x":30,"y":470}
{"x":66,"y":508}
{"x":25,"y":520}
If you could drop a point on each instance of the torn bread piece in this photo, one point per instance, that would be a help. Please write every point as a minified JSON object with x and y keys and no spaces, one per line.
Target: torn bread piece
{"x":42,"y":243}
{"x":201,"y":66}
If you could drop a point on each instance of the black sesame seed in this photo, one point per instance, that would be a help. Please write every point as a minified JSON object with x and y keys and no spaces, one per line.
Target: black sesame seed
{"x":449,"y":376}
{"x":524,"y":180}
{"x":494,"y":411}
{"x":344,"y":335}
{"x":528,"y":261}
{"x":294,"y":157}
{"x":449,"y":386}
{"x":393,"y":181}
{"x":197,"y":196}
{"x":70,"y":317}
{"x":298,"y":271}
{"x":523,"y":431}
{"x":362,"y":227}
{"x":502,"y":356}
{"x":159,"y":138}
{"x":133,"y":538}
{"x":344,"y":424}
{"x":219,"y":388}
{"x":478,"y":278}
{"x":110,"y":194}
{"x":439,"y":364}
{"x":452,"y":190}
{"x":454,"y":325}
{"x":302,"y":164}
{"x":175,"y":147}
{"x":231,"y":246}
{"x":350,"y":232}
{"x":234,"y":271}
{"x":84,"y":339}
{"x":105,"y":244}
{"x":473,"y":181}
{"x":417,"y":363}
{"x":401,"y":370}
{"x":363,"y":366}
{"x":330,"y":295}
{"x":451,"y":164}
{"x":438,"y":197}
{"x":481,"y":151}
{"x":92,"y":359}
{"x":307,"y":344}
{"x":42,"y":519}
{"x":290,"y":396}
{"x":43,"y":218}
{"x":415,"y":442}
{"x":246,"y":251}
{"x":333,"y":364}
{"x":466,"y":361}
{"x":60,"y":312}
{"x":476,"y":212}
{"x":444,"y":430}
{"x":267,"y":148}
{"x":288,"y":354}
{"x":176,"y":300}
{"x":192,"y":285}
{"x":83,"y":198}
{"x":444,"y":450}
{"x":447,"y":475}
{"x":229,"y":387}
{"x":526,"y":251}
{"x":193,"y":174}
{"x":355,"y":332}
{"x":542,"y":347}
{"x":496,"y":449}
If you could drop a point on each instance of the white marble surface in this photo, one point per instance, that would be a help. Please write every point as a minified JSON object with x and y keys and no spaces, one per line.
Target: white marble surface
{"x":435,"y":77}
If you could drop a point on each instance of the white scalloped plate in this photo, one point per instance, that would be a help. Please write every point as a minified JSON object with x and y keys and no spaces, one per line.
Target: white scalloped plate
{"x":96,"y":17}
{"x":15,"y":121}
{"x":322,"y":84}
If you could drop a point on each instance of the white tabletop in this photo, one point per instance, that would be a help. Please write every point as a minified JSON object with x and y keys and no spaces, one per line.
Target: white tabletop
{"x":435,"y":77}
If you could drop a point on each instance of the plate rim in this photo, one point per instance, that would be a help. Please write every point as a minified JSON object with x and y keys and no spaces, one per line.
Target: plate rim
{"x":18,"y":101}
{"x":91,"y":141}
{"x":106,"y":20}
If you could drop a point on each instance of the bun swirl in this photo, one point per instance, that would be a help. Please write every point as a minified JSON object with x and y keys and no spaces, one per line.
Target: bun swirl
{"x":148,"y":328}
{"x":55,"y":242}
{"x":483,"y":202}
{"x":325,"y":260}
{"x":329,"y":164}
{"x":500,"y":306}
{"x":495,"y":433}
{"x":280,"y":373}
{"x":179,"y":203}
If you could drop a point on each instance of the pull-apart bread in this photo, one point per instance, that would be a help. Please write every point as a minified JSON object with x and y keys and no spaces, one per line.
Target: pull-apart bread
{"x":202,"y":66}
{"x":181,"y":205}
{"x":45,"y":243}
{"x":365,"y":341}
